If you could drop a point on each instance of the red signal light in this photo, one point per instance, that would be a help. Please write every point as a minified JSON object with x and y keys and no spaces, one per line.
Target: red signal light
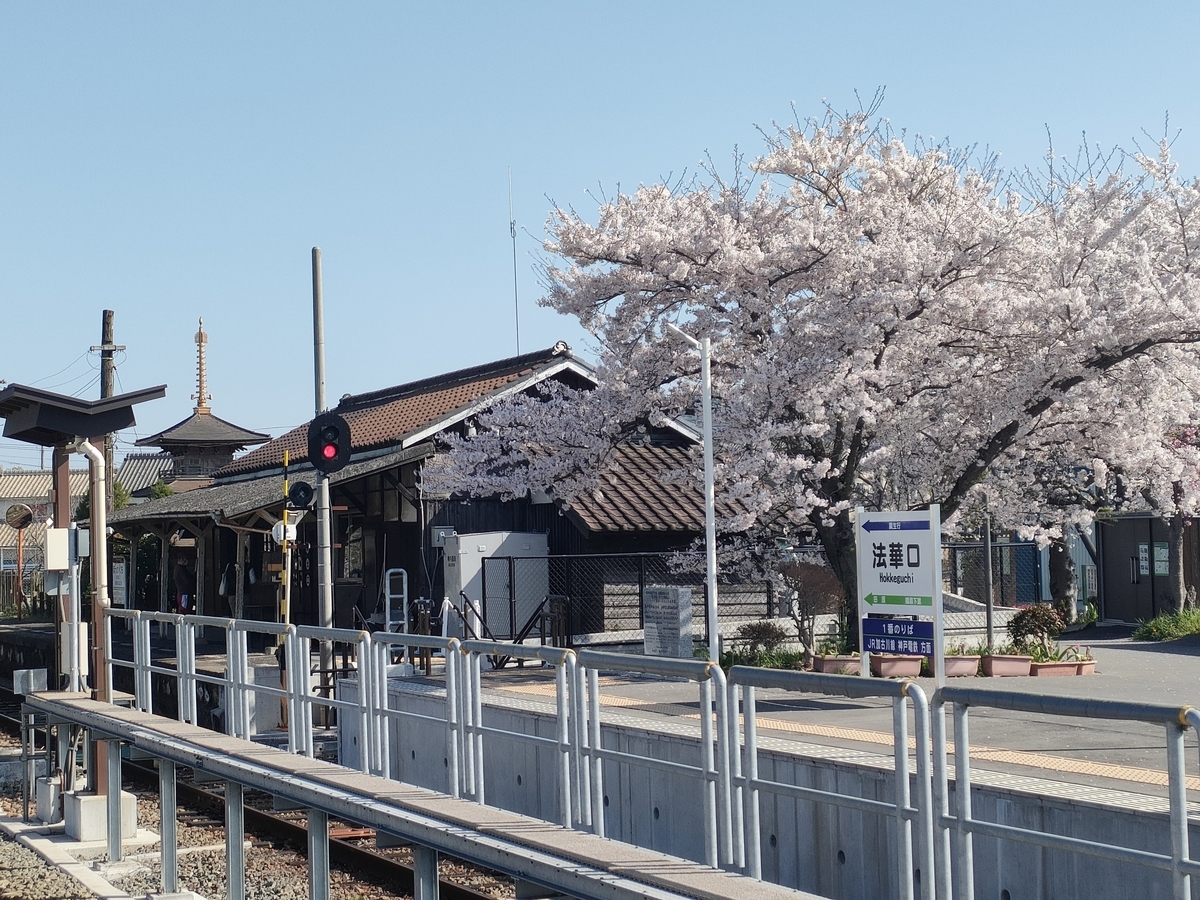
{"x":329,"y":451}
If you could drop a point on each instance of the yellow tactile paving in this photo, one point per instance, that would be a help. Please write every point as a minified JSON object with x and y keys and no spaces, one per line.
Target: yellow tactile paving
{"x":860,"y":735}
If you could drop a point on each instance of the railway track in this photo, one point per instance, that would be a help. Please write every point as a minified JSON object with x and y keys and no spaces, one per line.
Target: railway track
{"x":203,"y":807}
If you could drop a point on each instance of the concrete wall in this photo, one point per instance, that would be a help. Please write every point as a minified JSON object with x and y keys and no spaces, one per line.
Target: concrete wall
{"x":811,"y":846}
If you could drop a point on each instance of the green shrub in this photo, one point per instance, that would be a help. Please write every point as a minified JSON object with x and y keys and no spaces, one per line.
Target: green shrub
{"x":1036,"y":625}
{"x":1169,"y":626}
{"x":763,"y":636}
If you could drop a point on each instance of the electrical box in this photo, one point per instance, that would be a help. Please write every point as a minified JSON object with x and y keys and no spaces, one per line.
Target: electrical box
{"x":58,"y":556}
{"x":505,"y":575}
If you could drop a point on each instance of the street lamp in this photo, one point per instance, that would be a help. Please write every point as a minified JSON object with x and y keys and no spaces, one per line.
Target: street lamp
{"x":710,"y":523}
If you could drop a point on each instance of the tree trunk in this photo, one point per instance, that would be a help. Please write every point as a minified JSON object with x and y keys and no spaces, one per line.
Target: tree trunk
{"x":838,"y":541}
{"x":1176,"y":589}
{"x":1064,"y":580}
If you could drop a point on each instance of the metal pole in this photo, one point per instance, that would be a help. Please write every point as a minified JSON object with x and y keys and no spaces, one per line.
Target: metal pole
{"x":113,"y":802}
{"x":170,"y":828}
{"x":987,"y":574}
{"x":710,"y":515}
{"x":235,"y":837}
{"x":318,"y":855}
{"x":425,"y":873}
{"x":324,"y":539}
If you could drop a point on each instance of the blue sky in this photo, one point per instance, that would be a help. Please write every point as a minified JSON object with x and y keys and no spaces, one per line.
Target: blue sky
{"x":170,"y":161}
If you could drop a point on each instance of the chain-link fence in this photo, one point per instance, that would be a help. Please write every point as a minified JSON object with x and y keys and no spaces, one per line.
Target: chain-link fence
{"x":1016,"y":572}
{"x":604,"y":592}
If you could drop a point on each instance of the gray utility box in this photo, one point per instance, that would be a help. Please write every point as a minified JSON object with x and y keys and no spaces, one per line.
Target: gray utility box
{"x":505,"y":574}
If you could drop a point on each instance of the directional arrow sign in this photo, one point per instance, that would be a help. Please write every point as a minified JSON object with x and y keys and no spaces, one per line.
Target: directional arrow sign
{"x":896,"y":556}
{"x":873,"y":525}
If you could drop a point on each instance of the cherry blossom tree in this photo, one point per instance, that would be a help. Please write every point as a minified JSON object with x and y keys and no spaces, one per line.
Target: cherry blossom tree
{"x":892,"y":326}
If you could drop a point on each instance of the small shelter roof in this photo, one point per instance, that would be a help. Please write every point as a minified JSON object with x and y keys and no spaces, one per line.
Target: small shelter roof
{"x":34,"y":484}
{"x":49,"y":419}
{"x":237,"y":498}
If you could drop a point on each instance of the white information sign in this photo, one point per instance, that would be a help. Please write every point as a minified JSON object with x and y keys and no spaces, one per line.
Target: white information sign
{"x":667,"y":621}
{"x":900,"y":570}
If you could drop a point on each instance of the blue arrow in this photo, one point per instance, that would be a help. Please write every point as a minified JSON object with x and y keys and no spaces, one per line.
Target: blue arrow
{"x":896,"y":526}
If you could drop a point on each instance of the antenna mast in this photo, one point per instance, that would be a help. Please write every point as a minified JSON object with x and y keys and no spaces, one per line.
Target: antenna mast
{"x":512,"y":230}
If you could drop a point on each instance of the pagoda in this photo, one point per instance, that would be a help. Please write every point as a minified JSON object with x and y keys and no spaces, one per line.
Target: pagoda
{"x":201,"y":443}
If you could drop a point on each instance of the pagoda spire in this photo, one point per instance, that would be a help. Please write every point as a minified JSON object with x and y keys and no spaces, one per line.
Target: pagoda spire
{"x":202,"y":396}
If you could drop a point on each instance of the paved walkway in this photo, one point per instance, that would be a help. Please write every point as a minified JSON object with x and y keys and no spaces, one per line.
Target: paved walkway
{"x":1129,"y":756}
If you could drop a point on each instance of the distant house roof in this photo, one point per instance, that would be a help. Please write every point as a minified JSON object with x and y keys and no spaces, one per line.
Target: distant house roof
{"x":28,"y":485}
{"x":32,"y":487}
{"x":203,"y":429}
{"x":140,"y":471}
{"x":409,"y":413}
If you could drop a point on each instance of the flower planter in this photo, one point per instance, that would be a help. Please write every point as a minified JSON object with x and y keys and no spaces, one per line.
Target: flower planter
{"x":997,"y":666}
{"x":1085,"y":667}
{"x":887,"y":665}
{"x":961,"y":666}
{"x":837,"y":665}
{"x":1058,"y":668}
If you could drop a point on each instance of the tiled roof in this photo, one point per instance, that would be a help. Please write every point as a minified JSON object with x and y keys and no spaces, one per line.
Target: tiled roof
{"x":139,"y":471}
{"x":34,"y":484}
{"x":236,"y":498}
{"x":639,"y":494}
{"x":204,"y":429}
{"x":402,"y":414}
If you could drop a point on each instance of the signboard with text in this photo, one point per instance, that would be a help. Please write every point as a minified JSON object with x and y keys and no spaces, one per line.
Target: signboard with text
{"x":898,"y":636}
{"x":895,"y":559}
{"x":900,"y":574}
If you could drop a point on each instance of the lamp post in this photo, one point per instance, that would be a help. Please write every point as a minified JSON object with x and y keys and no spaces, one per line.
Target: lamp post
{"x":710,"y":523}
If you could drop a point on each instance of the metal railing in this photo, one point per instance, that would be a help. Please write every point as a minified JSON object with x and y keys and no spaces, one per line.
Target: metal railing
{"x":955,"y":861}
{"x":383,"y":647}
{"x":727,"y":772}
{"x":713,"y":771}
{"x":746,"y":775}
{"x":566,"y":741}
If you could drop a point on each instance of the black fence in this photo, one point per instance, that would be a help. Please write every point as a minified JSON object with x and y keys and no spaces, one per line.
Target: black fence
{"x":1016,"y":572}
{"x":604,"y":594}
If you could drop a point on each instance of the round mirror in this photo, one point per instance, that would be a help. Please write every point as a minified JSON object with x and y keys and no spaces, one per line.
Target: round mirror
{"x":19,"y":516}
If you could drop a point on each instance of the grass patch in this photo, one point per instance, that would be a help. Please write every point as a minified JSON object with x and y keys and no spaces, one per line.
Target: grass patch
{"x":1169,"y":626}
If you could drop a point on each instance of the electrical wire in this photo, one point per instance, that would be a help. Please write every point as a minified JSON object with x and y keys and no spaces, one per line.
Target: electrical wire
{"x":63,"y":369}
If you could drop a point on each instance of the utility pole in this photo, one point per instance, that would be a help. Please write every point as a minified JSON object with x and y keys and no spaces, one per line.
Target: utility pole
{"x":324,"y":539}
{"x":108,"y":371}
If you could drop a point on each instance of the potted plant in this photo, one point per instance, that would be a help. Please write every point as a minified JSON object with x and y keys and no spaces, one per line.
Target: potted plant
{"x":961,"y":660}
{"x":1052,"y":660}
{"x":1005,"y":660}
{"x":834,"y":657}
{"x":896,"y":665}
{"x":1085,"y":663}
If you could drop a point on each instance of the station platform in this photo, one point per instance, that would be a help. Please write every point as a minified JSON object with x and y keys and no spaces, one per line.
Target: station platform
{"x":568,"y":861}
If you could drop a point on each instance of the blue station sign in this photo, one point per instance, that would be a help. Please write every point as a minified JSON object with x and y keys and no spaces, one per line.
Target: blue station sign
{"x":898,"y":636}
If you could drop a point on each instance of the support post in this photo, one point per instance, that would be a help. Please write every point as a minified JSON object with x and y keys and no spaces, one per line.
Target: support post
{"x":239,"y":589}
{"x":170,"y":829}
{"x":235,"y":847}
{"x":60,"y":501}
{"x":318,"y":855}
{"x":987,"y":574}
{"x":425,"y":873}
{"x":113,"y":801}
{"x":324,"y":540}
